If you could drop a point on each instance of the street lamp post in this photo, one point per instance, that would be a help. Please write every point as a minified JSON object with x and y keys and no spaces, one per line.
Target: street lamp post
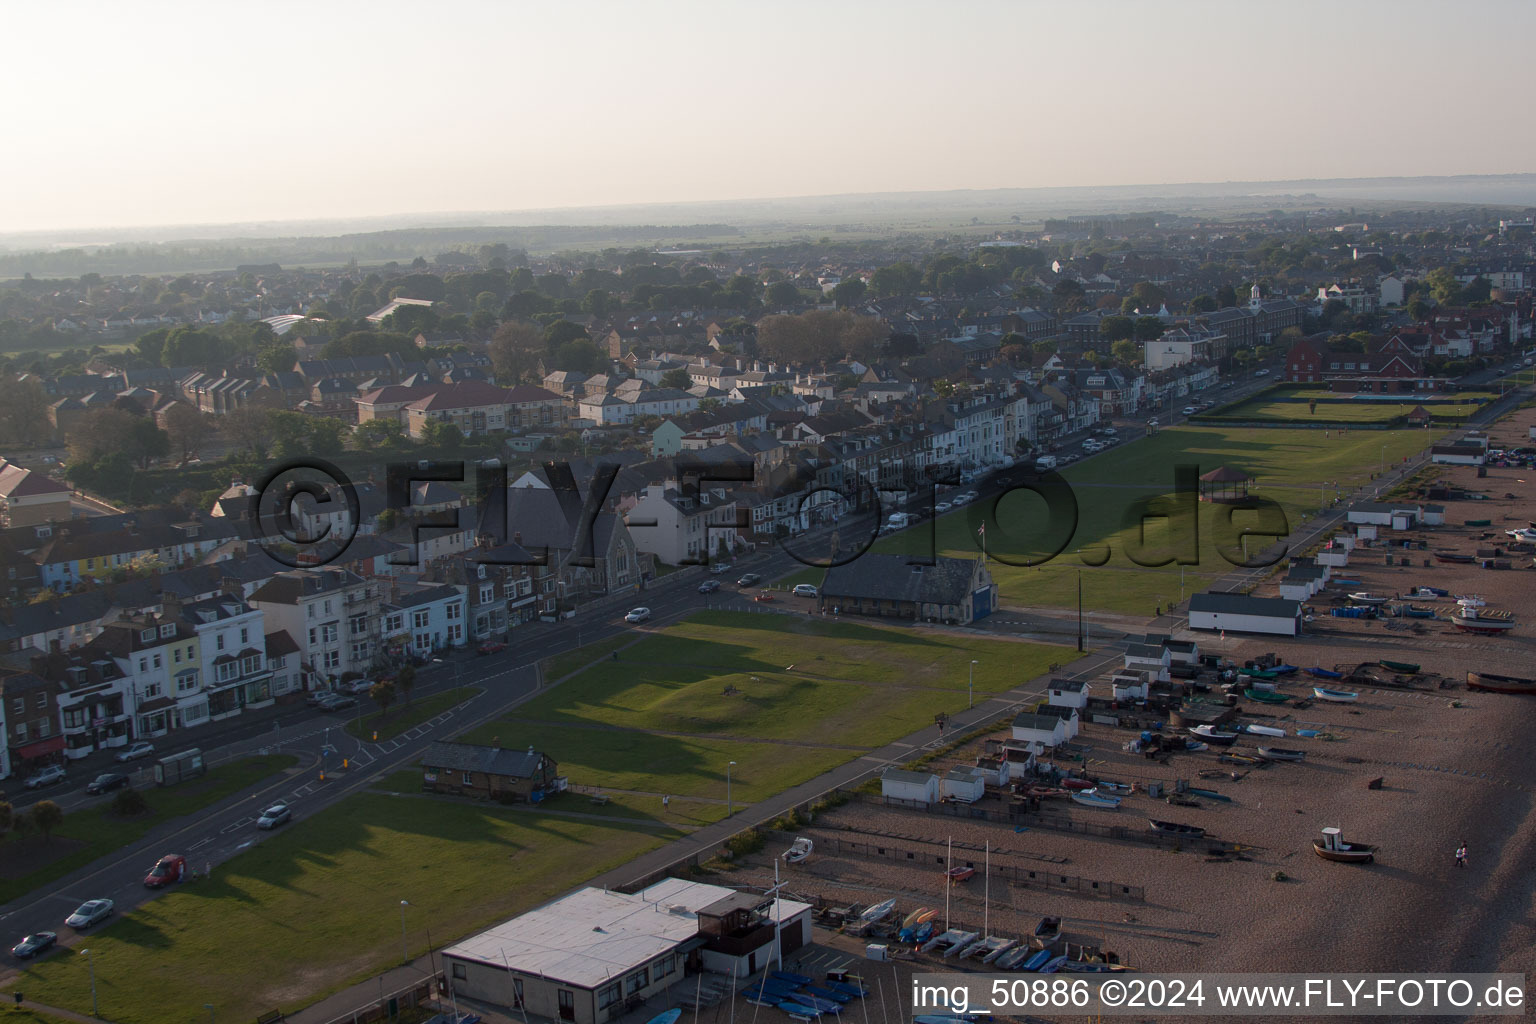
{"x":90,"y":960}
{"x":729,"y":807}
{"x":970,"y":683}
{"x":209,"y":1008}
{"x":405,"y":952}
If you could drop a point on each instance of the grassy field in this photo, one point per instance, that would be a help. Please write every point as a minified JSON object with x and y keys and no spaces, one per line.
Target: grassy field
{"x":1469,"y":396}
{"x":558,"y":666}
{"x":1340,"y":412}
{"x":88,"y":835}
{"x":402,"y":716}
{"x":807,"y":574}
{"x":317,"y":907}
{"x":677,"y":707}
{"x":1295,"y":468}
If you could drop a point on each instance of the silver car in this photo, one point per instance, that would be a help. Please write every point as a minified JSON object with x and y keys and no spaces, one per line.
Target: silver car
{"x":274,"y":816}
{"x":90,"y":912}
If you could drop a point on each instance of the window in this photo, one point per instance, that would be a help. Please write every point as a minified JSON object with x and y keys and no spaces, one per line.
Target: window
{"x":74,"y":718}
{"x":637,"y":981}
{"x":455,"y":611}
{"x":146,"y":635}
{"x":219,"y":643}
{"x":468,"y":781}
{"x":359,"y":626}
{"x":455,"y":632}
{"x":227,"y":672}
{"x":151,"y":691}
{"x":423,"y":641}
{"x":176,"y":655}
{"x":42,"y":702}
{"x":327,"y":606}
{"x":245,"y":636}
{"x":42,"y":727}
{"x":311,"y":611}
{"x":458,"y":971}
{"x":487,"y":593}
{"x":394,"y":623}
{"x":420,"y":618}
{"x":250,"y":664}
{"x":143,"y":665}
{"x":328,"y":633}
{"x":169,"y":629}
{"x":332,"y":659}
{"x":158,"y":662}
{"x":607,"y":997}
{"x":311,"y":636}
{"x":360,"y":651}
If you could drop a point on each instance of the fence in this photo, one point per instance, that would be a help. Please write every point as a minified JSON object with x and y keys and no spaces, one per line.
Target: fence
{"x":389,"y":1004}
{"x":886,"y":849}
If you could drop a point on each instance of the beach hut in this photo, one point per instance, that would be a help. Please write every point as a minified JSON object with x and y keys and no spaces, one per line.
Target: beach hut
{"x":965,"y":785}
{"x":1038,"y":732}
{"x":917,"y":787}
{"x":1240,"y":613}
{"x":1067,"y":693}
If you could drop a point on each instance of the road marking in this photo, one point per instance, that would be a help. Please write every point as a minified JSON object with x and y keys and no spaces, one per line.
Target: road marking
{"x":200,"y":844}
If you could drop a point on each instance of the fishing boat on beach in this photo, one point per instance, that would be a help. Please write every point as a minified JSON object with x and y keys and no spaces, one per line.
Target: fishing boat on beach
{"x":1048,"y":930}
{"x":1284,"y":670}
{"x":1454,"y":556}
{"x":1282,"y":753}
{"x":960,"y":873}
{"x":1317,"y":672}
{"x":1175,"y":830}
{"x":1211,"y":734}
{"x":1333,"y":847}
{"x":1266,"y":696}
{"x":1414,"y":611}
{"x":1366,"y":597}
{"x":1490,"y":683}
{"x":1335,"y":696}
{"x":874,"y":915}
{"x":1038,"y":960}
{"x":1470,"y":601}
{"x":1424,"y":593}
{"x":1405,"y":667}
{"x":1092,"y":798}
{"x":1260,"y":730}
{"x":798,"y":850}
{"x":1483,"y":621}
{"x":1114,"y":788}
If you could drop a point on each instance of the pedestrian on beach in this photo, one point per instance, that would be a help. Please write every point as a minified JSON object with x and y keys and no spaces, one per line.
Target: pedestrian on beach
{"x":664,"y":801}
{"x":1461,"y":854}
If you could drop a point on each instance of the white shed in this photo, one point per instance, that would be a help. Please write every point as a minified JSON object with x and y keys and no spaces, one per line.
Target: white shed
{"x":967,"y":785}
{"x":900,"y":784}
{"x":1129,"y":685}
{"x":1039,"y":731}
{"x":995,"y":771}
{"x":1432,"y":515}
{"x":1067,"y":693}
{"x":1371,"y":513}
{"x":1365,"y":532}
{"x":1244,"y":614}
{"x":1070,"y":719}
{"x":1182,"y":652}
{"x":1151,"y":658}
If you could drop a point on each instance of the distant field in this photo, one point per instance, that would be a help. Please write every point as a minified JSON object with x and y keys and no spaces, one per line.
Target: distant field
{"x":785,"y":697}
{"x":1299,"y":469}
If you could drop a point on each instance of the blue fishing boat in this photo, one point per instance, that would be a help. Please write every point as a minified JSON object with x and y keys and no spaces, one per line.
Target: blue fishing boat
{"x":1037,"y":961}
{"x":1053,"y":965}
{"x":1322,"y":673}
{"x":1209,"y":794}
{"x":798,"y":979}
{"x":1335,"y":696}
{"x":1283,"y":670}
{"x":826,"y":993}
{"x":666,"y":1017}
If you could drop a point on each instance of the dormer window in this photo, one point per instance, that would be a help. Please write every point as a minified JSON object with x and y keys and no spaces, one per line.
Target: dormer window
{"x":168,"y":629}
{"x":146,"y":635}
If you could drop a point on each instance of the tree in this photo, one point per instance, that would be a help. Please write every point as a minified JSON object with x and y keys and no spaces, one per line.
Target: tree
{"x":1226,"y":296}
{"x":1418,"y":309}
{"x":1443,"y":286}
{"x":896,"y":279}
{"x":186,"y":429}
{"x":515,"y":349}
{"x":849,"y":291}
{"x":1147,"y":296}
{"x":563,"y":332}
{"x":1149,"y":328}
{"x":405,"y":679}
{"x":379,"y":434}
{"x":114,"y":431}
{"x":249,"y":429}
{"x":1203,"y":304}
{"x":46,"y":816}
{"x":1126,"y":350}
{"x":597,"y":302}
{"x":1116,"y":328}
{"x":383,"y":695}
{"x":442,"y":435}
{"x":23,"y":410}
{"x":7,"y":817}
{"x":783,"y":294}
{"x":580,"y":355}
{"x":678,"y":379}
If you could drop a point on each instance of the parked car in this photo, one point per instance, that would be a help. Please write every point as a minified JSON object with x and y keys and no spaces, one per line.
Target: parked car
{"x":34,"y":944}
{"x":749,"y":579}
{"x":805,"y":590}
{"x":709,"y":586}
{"x":942,"y":507}
{"x":491,"y":647}
{"x":170,"y":868}
{"x":274,"y":816}
{"x":1265,"y":373}
{"x":319,"y":697}
{"x":135,"y":751}
{"x":720,"y":568}
{"x":341,"y":703}
{"x":1190,"y":410}
{"x":764,"y":597}
{"x":107,"y":782}
{"x":358,"y":686}
{"x":325,"y":698}
{"x":638,"y":615}
{"x":90,"y":912}
{"x":47,"y":776}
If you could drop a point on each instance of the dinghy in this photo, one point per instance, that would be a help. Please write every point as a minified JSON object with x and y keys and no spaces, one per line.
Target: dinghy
{"x":1092,"y":798}
{"x":1174,"y":830}
{"x":1333,"y":847}
{"x":1322,"y":673}
{"x":1490,"y":683}
{"x":1406,"y":667}
{"x":1266,"y":696}
{"x":1211,"y":734}
{"x":1282,"y":753}
{"x":1335,"y":696}
{"x":1262,"y":730}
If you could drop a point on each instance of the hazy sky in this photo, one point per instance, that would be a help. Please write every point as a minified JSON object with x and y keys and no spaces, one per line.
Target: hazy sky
{"x":210,"y":111}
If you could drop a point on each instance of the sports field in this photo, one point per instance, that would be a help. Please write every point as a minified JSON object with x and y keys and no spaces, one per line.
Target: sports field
{"x":1298,"y":469}
{"x":1342,"y":412}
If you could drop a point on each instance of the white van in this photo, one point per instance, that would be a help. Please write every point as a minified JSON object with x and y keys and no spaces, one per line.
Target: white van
{"x":898,"y":520}
{"x":1045,"y":462}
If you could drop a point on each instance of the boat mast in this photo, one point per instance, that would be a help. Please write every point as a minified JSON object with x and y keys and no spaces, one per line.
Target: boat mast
{"x":949,"y":879}
{"x":778,"y":915}
{"x":986,"y":899}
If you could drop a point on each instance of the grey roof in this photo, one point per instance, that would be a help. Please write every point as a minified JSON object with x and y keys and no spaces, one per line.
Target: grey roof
{"x":1243,"y":604}
{"x":1152,"y":651}
{"x":892,"y":578}
{"x":1067,"y":685}
{"x":1032,"y":720}
{"x":472,"y":757}
{"x":903,"y":775}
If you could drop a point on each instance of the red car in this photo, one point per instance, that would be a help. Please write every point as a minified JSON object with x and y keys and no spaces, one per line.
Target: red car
{"x":763,"y":597}
{"x":491,"y":647}
{"x":170,"y":868}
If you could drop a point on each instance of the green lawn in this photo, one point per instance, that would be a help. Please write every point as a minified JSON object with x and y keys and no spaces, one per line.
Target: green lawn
{"x":402,"y":716}
{"x":808,"y":574}
{"x":317,"y":907}
{"x":1469,"y":396}
{"x":1295,"y":468}
{"x":558,"y":666}
{"x":659,"y":720}
{"x":90,"y":834}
